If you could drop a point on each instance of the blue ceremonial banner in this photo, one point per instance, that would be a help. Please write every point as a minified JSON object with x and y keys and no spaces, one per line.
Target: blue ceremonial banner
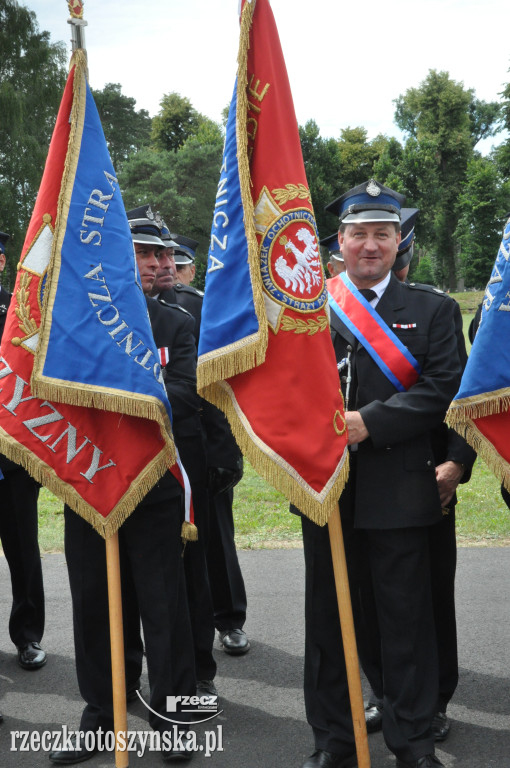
{"x":83,"y":403}
{"x":232,"y":327}
{"x":96,"y":340}
{"x":480,"y":410}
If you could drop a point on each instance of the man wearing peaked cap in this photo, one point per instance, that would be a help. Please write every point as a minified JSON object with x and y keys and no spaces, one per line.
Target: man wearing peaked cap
{"x":454,"y":460}
{"x":335,"y":261}
{"x":185,"y":259}
{"x":19,"y":535}
{"x":391,"y":498}
{"x":406,"y":246}
{"x":152,"y":572}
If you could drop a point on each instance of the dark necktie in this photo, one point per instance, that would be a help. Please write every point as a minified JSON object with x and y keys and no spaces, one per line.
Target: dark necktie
{"x":368,"y":293}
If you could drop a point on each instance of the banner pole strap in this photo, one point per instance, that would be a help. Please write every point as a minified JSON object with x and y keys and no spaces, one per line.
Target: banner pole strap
{"x":349,"y":638}
{"x":117,"y":646}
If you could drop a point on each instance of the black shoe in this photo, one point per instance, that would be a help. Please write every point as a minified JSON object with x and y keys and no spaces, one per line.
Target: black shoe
{"x":234,"y":641}
{"x":70,"y":756}
{"x":178,"y":755}
{"x":323,"y":759}
{"x":429,"y":761}
{"x":132,"y":692}
{"x":31,"y":656}
{"x":440,"y":726}
{"x":206,"y":688}
{"x":373,"y":719}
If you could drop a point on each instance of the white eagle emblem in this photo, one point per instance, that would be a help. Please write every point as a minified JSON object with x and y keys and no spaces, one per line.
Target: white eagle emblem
{"x":306,"y":272}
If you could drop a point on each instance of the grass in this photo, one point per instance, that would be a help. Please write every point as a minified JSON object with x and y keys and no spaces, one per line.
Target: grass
{"x":263,"y":520}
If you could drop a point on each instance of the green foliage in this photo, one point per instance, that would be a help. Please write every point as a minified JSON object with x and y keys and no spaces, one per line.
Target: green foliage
{"x":181,"y":185}
{"x":176,"y":121}
{"x":323,"y":171}
{"x":126,"y":130}
{"x":483,"y":204}
{"x":422,"y":270}
{"x":32,"y":78}
{"x":444,"y":121}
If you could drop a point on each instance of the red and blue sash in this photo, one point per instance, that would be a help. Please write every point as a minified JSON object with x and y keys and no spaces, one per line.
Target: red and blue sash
{"x":383,"y":346}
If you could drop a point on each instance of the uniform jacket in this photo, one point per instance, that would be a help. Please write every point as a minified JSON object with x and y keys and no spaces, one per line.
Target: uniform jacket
{"x":221,"y":447}
{"x":172,"y":329}
{"x":395,"y":479}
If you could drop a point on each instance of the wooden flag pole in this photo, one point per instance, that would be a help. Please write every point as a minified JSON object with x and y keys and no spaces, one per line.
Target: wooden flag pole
{"x":336,"y":540}
{"x":117,"y":647}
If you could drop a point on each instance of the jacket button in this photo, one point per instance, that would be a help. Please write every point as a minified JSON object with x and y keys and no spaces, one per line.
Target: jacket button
{"x":429,"y":463}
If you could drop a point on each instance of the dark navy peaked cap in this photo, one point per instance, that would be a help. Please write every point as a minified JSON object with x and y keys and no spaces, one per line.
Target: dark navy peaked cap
{"x":165,"y":231}
{"x":367,"y":202}
{"x":331,"y":243}
{"x":3,"y":239}
{"x":144,"y":227}
{"x":406,"y":246}
{"x":185,"y":249}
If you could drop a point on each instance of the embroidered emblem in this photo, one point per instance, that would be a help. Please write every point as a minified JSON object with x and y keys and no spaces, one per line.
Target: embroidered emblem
{"x":373,"y":189}
{"x":291,"y":268}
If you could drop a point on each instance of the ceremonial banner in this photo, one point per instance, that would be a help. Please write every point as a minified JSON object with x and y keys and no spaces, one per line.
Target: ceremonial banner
{"x":480,"y":410}
{"x":84,"y":407}
{"x":265,"y":352}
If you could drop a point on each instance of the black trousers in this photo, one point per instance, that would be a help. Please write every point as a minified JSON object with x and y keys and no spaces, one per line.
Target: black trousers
{"x":443,"y":560}
{"x":192,"y":452}
{"x":151,"y":565}
{"x":19,"y":534}
{"x":225,"y":576}
{"x":389,"y":573}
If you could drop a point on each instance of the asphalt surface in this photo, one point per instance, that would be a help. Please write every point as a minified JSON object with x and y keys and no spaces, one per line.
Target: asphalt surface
{"x":262,"y":722}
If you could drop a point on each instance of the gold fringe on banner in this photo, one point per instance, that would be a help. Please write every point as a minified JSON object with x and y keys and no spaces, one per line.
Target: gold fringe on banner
{"x":316,"y":506}
{"x":485,"y":450}
{"x":250,"y":351}
{"x":47,"y":477}
{"x":478,"y":406}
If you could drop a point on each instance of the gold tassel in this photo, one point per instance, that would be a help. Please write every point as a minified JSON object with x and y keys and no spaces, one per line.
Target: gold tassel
{"x":189,"y":532}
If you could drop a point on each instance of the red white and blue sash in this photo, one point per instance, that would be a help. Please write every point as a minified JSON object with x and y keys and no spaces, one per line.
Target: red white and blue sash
{"x":383,"y":346}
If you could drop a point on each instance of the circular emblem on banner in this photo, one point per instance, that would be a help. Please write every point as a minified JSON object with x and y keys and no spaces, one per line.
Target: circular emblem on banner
{"x":290,"y":262}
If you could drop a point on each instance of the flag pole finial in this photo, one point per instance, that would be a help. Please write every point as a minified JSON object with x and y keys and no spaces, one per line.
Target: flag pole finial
{"x":77,"y":23}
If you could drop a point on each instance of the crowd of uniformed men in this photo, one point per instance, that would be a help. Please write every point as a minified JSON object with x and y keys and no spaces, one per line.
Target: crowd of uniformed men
{"x":397,"y":509}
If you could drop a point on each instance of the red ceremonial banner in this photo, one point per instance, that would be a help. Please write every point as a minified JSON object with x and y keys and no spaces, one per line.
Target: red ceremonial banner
{"x":287,"y":411}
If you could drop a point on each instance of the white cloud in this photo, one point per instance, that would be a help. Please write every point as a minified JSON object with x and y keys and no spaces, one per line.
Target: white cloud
{"x":346,"y":62}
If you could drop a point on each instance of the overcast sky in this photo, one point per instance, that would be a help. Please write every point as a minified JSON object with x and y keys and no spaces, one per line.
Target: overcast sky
{"x":346,"y":61}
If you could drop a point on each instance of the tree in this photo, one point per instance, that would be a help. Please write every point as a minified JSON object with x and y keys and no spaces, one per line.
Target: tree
{"x":176,"y":121}
{"x":483,"y":204}
{"x":501,"y":154}
{"x":32,"y":79}
{"x":444,"y":122}
{"x":126,"y":130}
{"x":323,"y":170}
{"x":181,"y":185}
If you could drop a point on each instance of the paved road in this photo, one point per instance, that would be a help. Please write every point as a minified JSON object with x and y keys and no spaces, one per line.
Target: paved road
{"x":263,"y":723}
